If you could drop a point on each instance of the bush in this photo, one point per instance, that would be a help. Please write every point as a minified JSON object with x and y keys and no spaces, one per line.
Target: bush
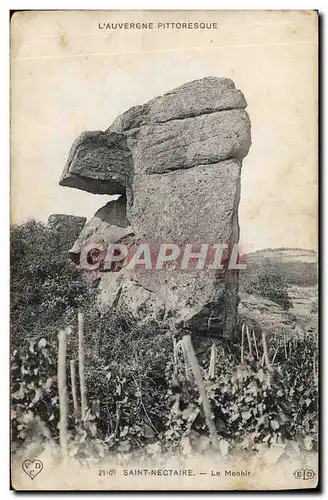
{"x":253,"y":406}
{"x":140,"y":397}
{"x":45,"y":287}
{"x":34,"y":392}
{"x":141,"y":401}
{"x":266,"y":281}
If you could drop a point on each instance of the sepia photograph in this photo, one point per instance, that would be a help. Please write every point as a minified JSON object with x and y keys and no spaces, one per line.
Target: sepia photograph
{"x":164,"y":331}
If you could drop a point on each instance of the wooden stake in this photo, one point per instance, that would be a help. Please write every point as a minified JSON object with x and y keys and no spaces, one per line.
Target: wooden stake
{"x":249,"y":341}
{"x":255,"y":344}
{"x":73,"y":385}
{"x":285,"y":344}
{"x":275,"y":354}
{"x":183,"y":349}
{"x":211,"y":369}
{"x":242,"y":343}
{"x":62,"y":390}
{"x":191,"y":356}
{"x":175,"y":353}
{"x":81,"y":365}
{"x":265,"y":349}
{"x":269,"y":380}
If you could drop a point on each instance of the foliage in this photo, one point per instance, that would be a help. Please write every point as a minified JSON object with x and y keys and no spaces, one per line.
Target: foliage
{"x":125,"y":372}
{"x":314,"y":307}
{"x":266,"y":281}
{"x":125,"y":381}
{"x":143,"y":401}
{"x":252,"y":405}
{"x":141,"y":397}
{"x":45,"y":287}
{"x":34,"y":397}
{"x":291,"y":269}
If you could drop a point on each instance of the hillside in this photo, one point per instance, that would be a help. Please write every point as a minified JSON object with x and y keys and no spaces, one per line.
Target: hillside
{"x":296,"y":266}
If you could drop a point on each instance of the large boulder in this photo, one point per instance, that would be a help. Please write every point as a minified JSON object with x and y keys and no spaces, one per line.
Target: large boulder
{"x":177,"y":159}
{"x":99,"y":163}
{"x":200,"y":207}
{"x":108,"y":225}
{"x":200,"y":123}
{"x":180,"y":144}
{"x":187,"y":206}
{"x":196,"y":98}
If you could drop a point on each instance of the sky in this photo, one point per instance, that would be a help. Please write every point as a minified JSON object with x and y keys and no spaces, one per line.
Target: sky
{"x":67,"y":76}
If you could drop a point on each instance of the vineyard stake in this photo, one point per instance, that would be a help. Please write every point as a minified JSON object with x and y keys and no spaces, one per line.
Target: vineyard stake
{"x":285,"y":345}
{"x":255,"y":344}
{"x":184,"y":354}
{"x":62,"y":390}
{"x":242,"y":343}
{"x":275,"y":354}
{"x":211,"y":368}
{"x":315,"y":378}
{"x":249,"y":341}
{"x":265,"y":349}
{"x":175,"y":352}
{"x":81,"y":364}
{"x":192,"y":359}
{"x":73,"y":385}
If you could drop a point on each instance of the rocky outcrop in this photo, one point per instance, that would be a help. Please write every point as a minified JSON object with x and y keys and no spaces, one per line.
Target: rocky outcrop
{"x":99,"y":163}
{"x":177,"y":161}
{"x":108,"y":225}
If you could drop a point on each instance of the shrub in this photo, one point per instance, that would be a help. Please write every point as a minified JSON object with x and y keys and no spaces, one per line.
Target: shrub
{"x":141,"y":401}
{"x":45,"y":287}
{"x":266,"y":281}
{"x":253,"y":406}
{"x":140,"y":398}
{"x":34,"y":393}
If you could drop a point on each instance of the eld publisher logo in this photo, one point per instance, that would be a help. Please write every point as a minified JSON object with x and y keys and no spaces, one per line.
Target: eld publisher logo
{"x":304,"y":474}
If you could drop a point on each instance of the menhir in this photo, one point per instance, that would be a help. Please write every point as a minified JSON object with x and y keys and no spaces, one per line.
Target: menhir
{"x":176,"y":162}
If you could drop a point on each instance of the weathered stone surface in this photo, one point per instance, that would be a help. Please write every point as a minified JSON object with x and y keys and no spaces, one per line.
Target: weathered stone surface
{"x":133,"y":300}
{"x":197,"y":205}
{"x":178,"y":160}
{"x":201,"y":122}
{"x":195,"y":98}
{"x":98,"y":162}
{"x":185,"y":143}
{"x":108,"y":225}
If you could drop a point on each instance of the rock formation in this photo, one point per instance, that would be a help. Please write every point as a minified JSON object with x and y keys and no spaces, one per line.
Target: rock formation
{"x":108,"y":225}
{"x":176,"y":161}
